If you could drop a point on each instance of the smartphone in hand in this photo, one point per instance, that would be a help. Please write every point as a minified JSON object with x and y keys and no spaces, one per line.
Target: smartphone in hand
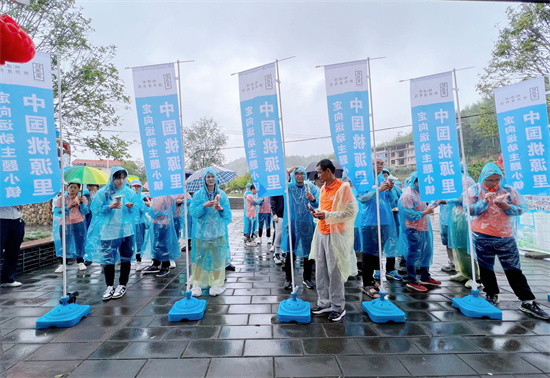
{"x":311,"y":209}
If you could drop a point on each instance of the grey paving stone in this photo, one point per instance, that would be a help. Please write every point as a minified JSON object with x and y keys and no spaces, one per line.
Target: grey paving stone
{"x":371,"y":366}
{"x":502,"y":344}
{"x":189,"y":367}
{"x":438,"y":365}
{"x":281,"y":347}
{"x":331,"y":346}
{"x":325,"y":366}
{"x":214,"y":348}
{"x":156,"y":349}
{"x":110,"y":350}
{"x":449,"y":344}
{"x":504,"y":363}
{"x":36,"y":369}
{"x":188,"y":333}
{"x":241,"y":367}
{"x":539,"y":360}
{"x":108,"y":368}
{"x":378,"y":345}
{"x":64,"y":351}
{"x":245,"y":332}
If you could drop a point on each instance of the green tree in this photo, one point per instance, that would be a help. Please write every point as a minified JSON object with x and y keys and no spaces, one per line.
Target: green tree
{"x":203,"y":143}
{"x":521,"y":52}
{"x":136,"y":168}
{"x":92,"y":91}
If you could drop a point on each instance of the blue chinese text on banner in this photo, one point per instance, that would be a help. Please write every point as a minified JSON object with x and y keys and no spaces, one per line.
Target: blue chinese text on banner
{"x":30,"y":171}
{"x":261,"y":130}
{"x":348,"y":109}
{"x":435,"y":137}
{"x":524,"y":137}
{"x":159,"y":127}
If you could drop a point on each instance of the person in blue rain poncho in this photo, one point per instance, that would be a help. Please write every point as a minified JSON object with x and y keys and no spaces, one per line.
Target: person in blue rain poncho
{"x":494,"y":207}
{"x":369,"y":232}
{"x":211,"y":214}
{"x":302,"y":195}
{"x":111,"y":233}
{"x":76,"y":209}
{"x":246,"y":193}
{"x":458,"y":235}
{"x":187,"y":197}
{"x":141,"y":220}
{"x":416,"y":238}
{"x":162,"y":243}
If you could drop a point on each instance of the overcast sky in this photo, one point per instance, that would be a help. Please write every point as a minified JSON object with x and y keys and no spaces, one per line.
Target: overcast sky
{"x":417,"y":39}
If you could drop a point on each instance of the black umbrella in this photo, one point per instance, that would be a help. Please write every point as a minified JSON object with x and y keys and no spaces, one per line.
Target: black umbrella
{"x":312,"y":169}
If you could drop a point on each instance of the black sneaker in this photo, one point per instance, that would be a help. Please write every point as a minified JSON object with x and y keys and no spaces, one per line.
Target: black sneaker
{"x":402,"y":271}
{"x":493,"y":299}
{"x":308,"y":284}
{"x":230,"y":267}
{"x":87,"y":263}
{"x":287,"y":285}
{"x":150,"y":270}
{"x":320,"y":310}
{"x":336,"y":316}
{"x":534,"y":309}
{"x":163,"y":272}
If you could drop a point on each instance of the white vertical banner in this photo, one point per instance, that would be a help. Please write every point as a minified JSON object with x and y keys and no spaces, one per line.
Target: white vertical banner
{"x":348,"y":108}
{"x":29,"y":165}
{"x":435,"y":137}
{"x":524,"y":137}
{"x":261,"y":130}
{"x":159,"y":126}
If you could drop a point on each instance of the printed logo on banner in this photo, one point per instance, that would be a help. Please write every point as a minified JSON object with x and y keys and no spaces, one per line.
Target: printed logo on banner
{"x":29,"y":165}
{"x":435,"y":138}
{"x":524,"y":136}
{"x":167,"y":81}
{"x":349,"y":121}
{"x":268,"y":82}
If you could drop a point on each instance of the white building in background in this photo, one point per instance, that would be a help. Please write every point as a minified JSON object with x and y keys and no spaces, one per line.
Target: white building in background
{"x":397,"y":155}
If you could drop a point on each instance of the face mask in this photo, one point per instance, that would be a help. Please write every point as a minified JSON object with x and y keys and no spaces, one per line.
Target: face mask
{"x":92,"y":195}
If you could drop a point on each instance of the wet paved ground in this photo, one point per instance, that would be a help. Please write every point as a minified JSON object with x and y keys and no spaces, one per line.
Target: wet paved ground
{"x":239,"y":335}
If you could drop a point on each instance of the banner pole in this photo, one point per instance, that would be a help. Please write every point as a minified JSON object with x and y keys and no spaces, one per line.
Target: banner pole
{"x":465,"y":187}
{"x":287,"y":211}
{"x":184,"y":183}
{"x":63,"y":231}
{"x":381,"y":260}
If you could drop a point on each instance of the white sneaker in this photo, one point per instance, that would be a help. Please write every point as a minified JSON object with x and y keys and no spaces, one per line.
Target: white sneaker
{"x":82,"y":266}
{"x":11,"y":284}
{"x":259,"y":241}
{"x":458,"y":277}
{"x":268,"y":241}
{"x":108,"y":294}
{"x":172,"y":264}
{"x":59,"y":269}
{"x":277,"y":260}
{"x":250,"y":244}
{"x":272,"y":249}
{"x":216,"y":290}
{"x":196,"y":291}
{"x":139,"y":267}
{"x":119,"y":291}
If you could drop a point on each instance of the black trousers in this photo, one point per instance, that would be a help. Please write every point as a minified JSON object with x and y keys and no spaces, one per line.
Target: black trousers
{"x":12,"y":232}
{"x":308,"y":264}
{"x":372,"y":263}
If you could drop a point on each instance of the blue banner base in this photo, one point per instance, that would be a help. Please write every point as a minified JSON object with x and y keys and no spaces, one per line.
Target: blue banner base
{"x":473,"y":306}
{"x":189,"y":308}
{"x":64,"y":315}
{"x":381,"y":310}
{"x":294,"y":309}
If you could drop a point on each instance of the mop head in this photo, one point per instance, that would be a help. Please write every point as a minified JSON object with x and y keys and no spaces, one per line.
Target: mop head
{"x":474,"y":306}
{"x":189,"y":308}
{"x":65,"y":315}
{"x":294,"y":309}
{"x":381,"y":310}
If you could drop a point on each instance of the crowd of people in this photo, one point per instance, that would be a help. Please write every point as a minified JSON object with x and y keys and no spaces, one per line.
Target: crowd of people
{"x":336,"y":232}
{"x":335,"y":229}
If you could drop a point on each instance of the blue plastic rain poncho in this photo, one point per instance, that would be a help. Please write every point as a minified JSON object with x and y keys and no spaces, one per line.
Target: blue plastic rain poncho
{"x":415,"y":238}
{"x":302,"y":222}
{"x":161,"y":241}
{"x":369,"y":222}
{"x":75,"y":231}
{"x":141,"y":220}
{"x":110,"y":227}
{"x":358,"y":237}
{"x":210,"y":241}
{"x":494,"y":228}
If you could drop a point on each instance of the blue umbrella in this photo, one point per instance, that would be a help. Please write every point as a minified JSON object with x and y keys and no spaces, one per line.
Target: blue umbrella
{"x":194,"y":182}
